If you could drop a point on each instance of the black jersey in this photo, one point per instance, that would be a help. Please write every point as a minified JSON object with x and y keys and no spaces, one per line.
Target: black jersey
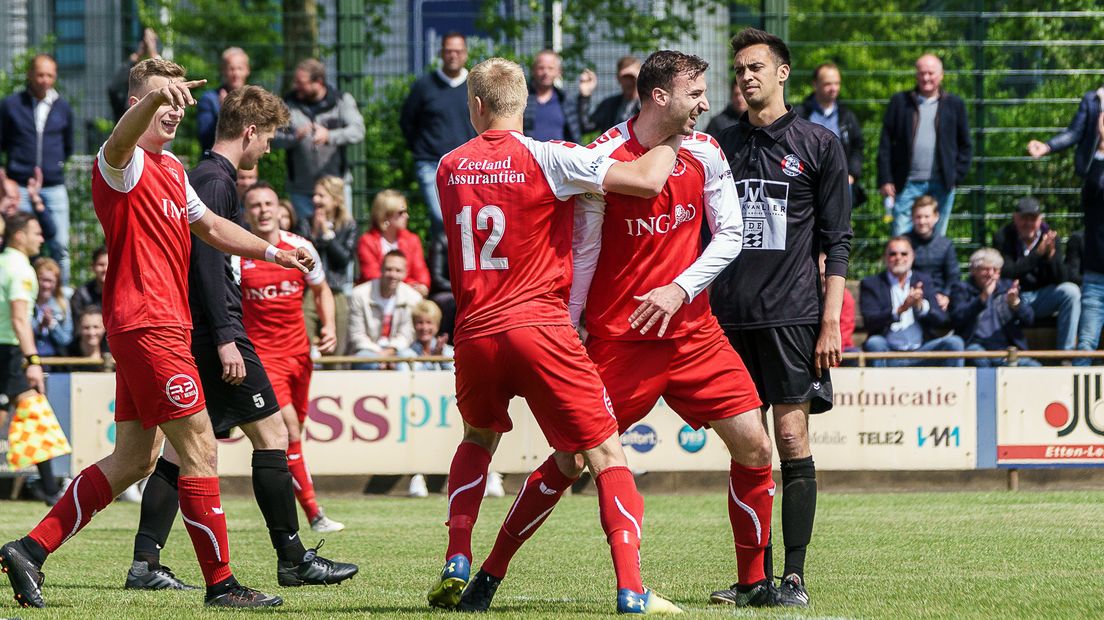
{"x":791,"y":177}
{"x":213,"y":292}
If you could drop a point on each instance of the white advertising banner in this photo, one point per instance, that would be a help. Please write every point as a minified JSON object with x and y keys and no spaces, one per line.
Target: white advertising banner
{"x":1050,"y":416}
{"x":402,"y":422}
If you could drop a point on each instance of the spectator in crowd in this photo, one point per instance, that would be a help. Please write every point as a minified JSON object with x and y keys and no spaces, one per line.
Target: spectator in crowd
{"x":822,"y":107}
{"x":549,"y":114}
{"x":935,"y":253}
{"x":333,"y":232}
{"x":89,"y":341}
{"x":440,"y":284}
{"x":615,"y":108}
{"x":117,"y":89}
{"x":732,"y":112}
{"x":36,"y":134}
{"x":1033,"y":256}
{"x":381,"y":313}
{"x":388,"y":232}
{"x":901,"y":313}
{"x":1091,"y":263}
{"x":38,"y":206}
{"x":925,"y":146}
{"x":289,"y":221}
{"x":245,"y":180}
{"x":324,"y":122}
{"x":9,"y":197}
{"x":52,"y":322}
{"x":91,"y":292}
{"x":989,"y":311}
{"x":234,"y":69}
{"x":434,"y":120}
{"x":428,"y":339}
{"x":1082,"y":131}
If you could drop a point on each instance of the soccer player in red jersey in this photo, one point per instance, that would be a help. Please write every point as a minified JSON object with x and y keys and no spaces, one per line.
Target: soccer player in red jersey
{"x":508,"y":205}
{"x":272,"y":304}
{"x":147,"y":209}
{"x":639,"y":265}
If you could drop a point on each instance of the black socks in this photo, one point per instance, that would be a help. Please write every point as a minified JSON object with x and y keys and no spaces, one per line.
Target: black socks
{"x":272,"y":486}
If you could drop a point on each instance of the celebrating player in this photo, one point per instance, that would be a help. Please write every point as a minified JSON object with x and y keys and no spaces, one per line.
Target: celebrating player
{"x":272,"y":301}
{"x":792,"y":179}
{"x":637,"y":267}
{"x":229,"y":367}
{"x":146,"y":206}
{"x":508,"y":207}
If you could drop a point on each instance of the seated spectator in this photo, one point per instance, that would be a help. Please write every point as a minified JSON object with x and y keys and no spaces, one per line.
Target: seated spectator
{"x":901,"y":313}
{"x":289,"y":221}
{"x":52,"y":323}
{"x":1033,"y":255}
{"x":89,"y":341}
{"x":989,"y":311}
{"x":91,"y":292}
{"x":389,"y":232}
{"x":9,"y":197}
{"x":428,"y":339}
{"x":440,"y":287}
{"x":381,"y":313}
{"x":935,"y":253}
{"x":333,"y":232}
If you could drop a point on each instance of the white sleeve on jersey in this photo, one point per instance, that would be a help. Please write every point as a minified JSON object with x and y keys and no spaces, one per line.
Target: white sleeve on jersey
{"x":196,"y":208}
{"x":722,"y":212}
{"x":586,"y":245}
{"x":122,"y":179}
{"x":317,"y":275}
{"x":571,"y":169}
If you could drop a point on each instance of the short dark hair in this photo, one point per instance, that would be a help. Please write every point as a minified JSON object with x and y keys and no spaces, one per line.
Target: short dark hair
{"x":16,"y":223}
{"x":454,"y":34}
{"x":899,"y":239}
{"x":98,"y":252}
{"x":821,"y":67}
{"x":250,"y":105}
{"x":753,"y":36}
{"x":87,"y":310}
{"x":315,"y":70}
{"x":393,"y":254}
{"x":260,"y":184}
{"x":661,"y":69}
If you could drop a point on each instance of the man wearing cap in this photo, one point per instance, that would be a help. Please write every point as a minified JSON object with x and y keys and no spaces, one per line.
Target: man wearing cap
{"x":1033,"y":255}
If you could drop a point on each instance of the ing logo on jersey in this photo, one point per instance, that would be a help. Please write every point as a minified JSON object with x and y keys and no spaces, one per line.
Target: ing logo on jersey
{"x":182,"y":390}
{"x":792,"y":165}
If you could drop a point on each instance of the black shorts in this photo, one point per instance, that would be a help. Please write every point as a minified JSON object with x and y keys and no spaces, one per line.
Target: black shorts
{"x":780,"y":361}
{"x":13,"y":377}
{"x":234,"y":405}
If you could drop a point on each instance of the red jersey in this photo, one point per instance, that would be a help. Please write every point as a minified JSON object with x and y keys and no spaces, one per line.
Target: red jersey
{"x":629,"y":246}
{"x":272,"y":300}
{"x":508,"y":206}
{"x":145,"y":210}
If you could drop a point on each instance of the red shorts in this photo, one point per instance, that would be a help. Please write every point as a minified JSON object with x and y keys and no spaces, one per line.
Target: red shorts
{"x":156,"y":379}
{"x":700,"y":376}
{"x":548,"y":367}
{"x":290,"y":376}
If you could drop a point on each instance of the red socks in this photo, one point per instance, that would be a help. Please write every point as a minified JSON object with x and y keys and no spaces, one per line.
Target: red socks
{"x":89,"y":493}
{"x":534,"y":503}
{"x":622,"y":512}
{"x":201,"y":509}
{"x":750,"y":501}
{"x":301,"y":480}
{"x":466,"y":482}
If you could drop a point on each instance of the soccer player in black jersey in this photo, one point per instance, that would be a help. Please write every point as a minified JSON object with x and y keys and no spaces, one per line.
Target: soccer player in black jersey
{"x":791,"y":176}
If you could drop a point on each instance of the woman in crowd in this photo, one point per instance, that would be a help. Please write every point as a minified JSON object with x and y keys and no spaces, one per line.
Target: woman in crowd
{"x":289,"y":221}
{"x":388,"y":232}
{"x":88,"y":341}
{"x":52,"y":322}
{"x":333,"y":233}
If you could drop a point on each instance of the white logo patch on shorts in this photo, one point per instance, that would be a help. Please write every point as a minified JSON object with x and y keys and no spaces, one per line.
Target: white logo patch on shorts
{"x":182,"y":390}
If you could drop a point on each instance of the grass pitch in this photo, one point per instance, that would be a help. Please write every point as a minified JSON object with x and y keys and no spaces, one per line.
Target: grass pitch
{"x":914,"y":555}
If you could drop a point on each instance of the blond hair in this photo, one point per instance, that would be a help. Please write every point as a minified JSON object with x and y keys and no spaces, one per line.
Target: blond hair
{"x":335,"y":187}
{"x":428,"y":310}
{"x":141,"y":73}
{"x":926,"y":200}
{"x":500,"y":85}
{"x":386,"y":204}
{"x":43,"y":263}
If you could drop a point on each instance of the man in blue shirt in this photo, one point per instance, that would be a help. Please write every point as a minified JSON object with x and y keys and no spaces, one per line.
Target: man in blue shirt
{"x":549,"y":115}
{"x":823,"y":108}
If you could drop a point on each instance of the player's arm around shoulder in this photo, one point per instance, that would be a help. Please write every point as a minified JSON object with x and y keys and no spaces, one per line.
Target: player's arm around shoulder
{"x":646,"y":176}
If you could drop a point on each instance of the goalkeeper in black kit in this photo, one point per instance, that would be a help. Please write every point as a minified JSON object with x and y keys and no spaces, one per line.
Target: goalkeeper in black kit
{"x":791,"y":176}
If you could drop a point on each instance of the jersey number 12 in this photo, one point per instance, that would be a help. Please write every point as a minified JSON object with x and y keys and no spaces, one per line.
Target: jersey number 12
{"x":492,"y":217}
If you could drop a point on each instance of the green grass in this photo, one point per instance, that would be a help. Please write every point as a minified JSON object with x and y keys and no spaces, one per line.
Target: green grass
{"x":915,"y":555}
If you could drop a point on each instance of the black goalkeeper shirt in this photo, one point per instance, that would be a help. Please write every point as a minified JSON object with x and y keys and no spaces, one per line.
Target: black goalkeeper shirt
{"x":791,"y":177}
{"x":213,"y":292}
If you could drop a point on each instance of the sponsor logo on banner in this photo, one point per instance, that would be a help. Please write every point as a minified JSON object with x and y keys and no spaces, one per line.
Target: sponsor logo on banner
{"x":881,"y":438}
{"x":938,"y":436}
{"x":1051,"y":417}
{"x":641,"y":438}
{"x":692,"y":440}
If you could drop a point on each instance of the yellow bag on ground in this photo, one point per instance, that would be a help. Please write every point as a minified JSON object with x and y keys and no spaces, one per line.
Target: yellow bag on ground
{"x":35,"y":434}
